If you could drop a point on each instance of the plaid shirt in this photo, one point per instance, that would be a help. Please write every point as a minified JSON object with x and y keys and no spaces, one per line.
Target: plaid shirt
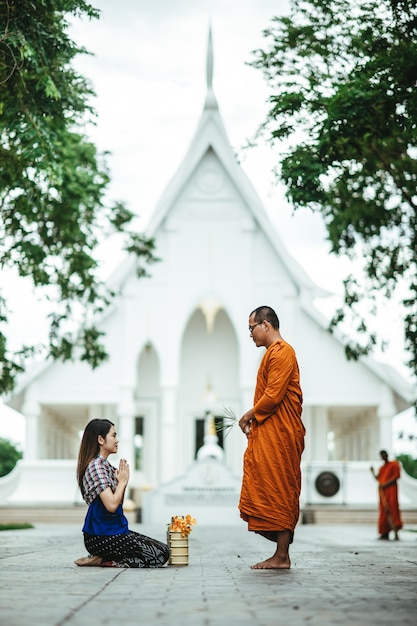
{"x":99,"y":475}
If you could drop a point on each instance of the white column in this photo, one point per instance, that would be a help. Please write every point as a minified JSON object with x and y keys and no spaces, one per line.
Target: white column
{"x":367,"y":448}
{"x":349,"y":447}
{"x":320,"y":429}
{"x":126,"y":425}
{"x":386,"y":412}
{"x":361,"y":440}
{"x":355,"y":442}
{"x":31,"y":410}
{"x":365,"y":438}
{"x":344,"y":448}
{"x":169,"y":432}
{"x":337,"y":443}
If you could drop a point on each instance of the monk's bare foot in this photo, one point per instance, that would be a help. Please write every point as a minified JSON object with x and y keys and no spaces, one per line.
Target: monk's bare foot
{"x":273,"y":563}
{"x":89,"y":561}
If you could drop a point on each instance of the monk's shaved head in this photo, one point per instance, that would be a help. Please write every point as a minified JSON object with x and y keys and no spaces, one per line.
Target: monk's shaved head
{"x":266,"y":313}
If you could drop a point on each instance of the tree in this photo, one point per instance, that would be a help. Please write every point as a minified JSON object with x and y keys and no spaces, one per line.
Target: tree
{"x":53,"y":182}
{"x":9,"y":456}
{"x":409,"y":464}
{"x":343,"y":74}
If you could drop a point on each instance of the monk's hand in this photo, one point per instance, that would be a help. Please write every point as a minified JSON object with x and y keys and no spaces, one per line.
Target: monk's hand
{"x":248,"y":428}
{"x":245,"y":424}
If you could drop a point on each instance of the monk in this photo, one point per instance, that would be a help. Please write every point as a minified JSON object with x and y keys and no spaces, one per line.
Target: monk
{"x":269,"y":499}
{"x":389,"y":511}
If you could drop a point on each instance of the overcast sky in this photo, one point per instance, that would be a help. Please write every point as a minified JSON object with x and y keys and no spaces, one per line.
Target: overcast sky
{"x":149,"y":74}
{"x":148,"y":70}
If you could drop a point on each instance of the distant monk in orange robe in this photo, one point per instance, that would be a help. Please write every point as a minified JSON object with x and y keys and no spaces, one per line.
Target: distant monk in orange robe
{"x":389,"y":510}
{"x":269,"y":499}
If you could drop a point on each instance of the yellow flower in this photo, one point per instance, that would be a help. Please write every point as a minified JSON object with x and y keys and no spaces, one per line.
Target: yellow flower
{"x":182,"y":524}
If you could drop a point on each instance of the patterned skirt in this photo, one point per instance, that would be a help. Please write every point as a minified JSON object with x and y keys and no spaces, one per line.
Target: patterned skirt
{"x":129,"y":550}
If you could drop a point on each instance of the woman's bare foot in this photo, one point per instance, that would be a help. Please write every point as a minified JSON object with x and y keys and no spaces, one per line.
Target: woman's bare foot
{"x":89,"y":561}
{"x":274,"y":562}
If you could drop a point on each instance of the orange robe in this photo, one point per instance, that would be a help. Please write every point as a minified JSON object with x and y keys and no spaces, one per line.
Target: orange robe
{"x":269,"y":499}
{"x":388,"y":498}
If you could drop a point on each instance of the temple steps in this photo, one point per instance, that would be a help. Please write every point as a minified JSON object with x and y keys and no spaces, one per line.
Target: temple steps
{"x":310,"y":514}
{"x":73,"y":514}
{"x":333,"y":514}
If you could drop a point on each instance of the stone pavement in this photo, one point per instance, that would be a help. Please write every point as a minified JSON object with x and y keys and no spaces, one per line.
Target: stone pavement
{"x":340,"y":575}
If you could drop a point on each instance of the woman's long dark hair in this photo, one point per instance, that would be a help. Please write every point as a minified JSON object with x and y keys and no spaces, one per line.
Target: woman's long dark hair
{"x":89,"y":447}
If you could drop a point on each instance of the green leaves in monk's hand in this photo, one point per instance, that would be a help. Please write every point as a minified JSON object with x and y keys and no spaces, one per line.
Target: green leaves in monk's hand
{"x":343,"y":115}
{"x":53,"y":182}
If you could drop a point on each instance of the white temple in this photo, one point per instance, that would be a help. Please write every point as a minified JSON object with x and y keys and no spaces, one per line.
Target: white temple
{"x":179,"y":347}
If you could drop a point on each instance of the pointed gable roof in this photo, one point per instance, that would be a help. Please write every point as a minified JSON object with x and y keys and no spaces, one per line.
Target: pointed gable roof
{"x":211,"y":134}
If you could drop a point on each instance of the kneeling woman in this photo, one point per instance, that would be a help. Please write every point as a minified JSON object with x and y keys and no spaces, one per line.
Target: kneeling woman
{"x":106,"y":533}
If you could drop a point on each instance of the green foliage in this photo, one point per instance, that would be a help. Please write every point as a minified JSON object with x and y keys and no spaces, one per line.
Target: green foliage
{"x":343,"y":115}
{"x":9,"y":456}
{"x":16,"y":526}
{"x":53,"y":182}
{"x":409,"y":464}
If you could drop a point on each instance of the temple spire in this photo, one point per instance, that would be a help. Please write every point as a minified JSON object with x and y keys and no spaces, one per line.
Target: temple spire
{"x":211,"y":102}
